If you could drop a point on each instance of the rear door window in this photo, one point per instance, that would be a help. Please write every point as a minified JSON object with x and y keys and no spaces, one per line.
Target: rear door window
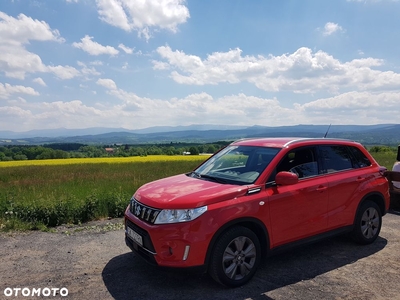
{"x":301,"y":161}
{"x":360,"y":160}
{"x":335,"y":158}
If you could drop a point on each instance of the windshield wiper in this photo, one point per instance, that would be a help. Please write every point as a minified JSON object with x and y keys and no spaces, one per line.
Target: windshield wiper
{"x":209,"y":177}
{"x":213,"y":178}
{"x":197,"y":175}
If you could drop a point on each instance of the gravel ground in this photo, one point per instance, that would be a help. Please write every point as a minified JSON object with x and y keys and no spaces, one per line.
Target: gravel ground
{"x":92,"y":262}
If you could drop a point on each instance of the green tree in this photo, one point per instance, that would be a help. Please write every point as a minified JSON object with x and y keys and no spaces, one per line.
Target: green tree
{"x":210,"y":149}
{"x":93,"y":151}
{"x":194,"y":150}
{"x":20,"y":157}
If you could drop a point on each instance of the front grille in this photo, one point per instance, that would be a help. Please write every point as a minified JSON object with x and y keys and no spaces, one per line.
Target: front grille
{"x":143,"y":212}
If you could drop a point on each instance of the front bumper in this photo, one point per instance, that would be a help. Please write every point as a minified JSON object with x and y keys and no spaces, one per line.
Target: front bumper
{"x":146,"y":251}
{"x":179,"y":245}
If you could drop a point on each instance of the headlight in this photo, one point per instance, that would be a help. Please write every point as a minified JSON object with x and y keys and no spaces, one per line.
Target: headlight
{"x":167,"y":216}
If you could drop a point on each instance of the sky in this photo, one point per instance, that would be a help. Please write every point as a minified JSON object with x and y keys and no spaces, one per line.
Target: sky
{"x":141,"y":63}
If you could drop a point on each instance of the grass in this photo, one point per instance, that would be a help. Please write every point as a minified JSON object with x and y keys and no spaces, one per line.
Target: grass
{"x":385,"y":159}
{"x":44,"y":193}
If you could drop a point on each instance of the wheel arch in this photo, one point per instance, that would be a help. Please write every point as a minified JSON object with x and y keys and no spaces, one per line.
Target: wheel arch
{"x":253,"y":224}
{"x":367,"y":225}
{"x":376,"y":197}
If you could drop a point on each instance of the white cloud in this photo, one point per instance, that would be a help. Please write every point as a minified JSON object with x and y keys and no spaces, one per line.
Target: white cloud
{"x":24,"y":29}
{"x":94,"y":48}
{"x":7,"y":89}
{"x":195,"y":108}
{"x":86,"y":71}
{"x":96,"y":63}
{"x":301,"y":72}
{"x":40,"y":81}
{"x":239,"y":109}
{"x":356,"y":100}
{"x":12,"y":114}
{"x":159,"y":65}
{"x":134,"y":111}
{"x":330,"y":28}
{"x":126,"y":49}
{"x":63,"y":72}
{"x":370,"y":108}
{"x":143,"y":16}
{"x":107,"y":83}
{"x":15,"y":60}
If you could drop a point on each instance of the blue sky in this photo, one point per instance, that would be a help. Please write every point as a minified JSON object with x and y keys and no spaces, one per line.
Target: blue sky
{"x":141,"y":63}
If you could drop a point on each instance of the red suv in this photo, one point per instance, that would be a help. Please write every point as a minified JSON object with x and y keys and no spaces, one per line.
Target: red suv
{"x":253,"y":198}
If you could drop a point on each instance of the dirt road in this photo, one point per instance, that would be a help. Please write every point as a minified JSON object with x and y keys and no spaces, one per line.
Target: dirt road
{"x":92,"y":262}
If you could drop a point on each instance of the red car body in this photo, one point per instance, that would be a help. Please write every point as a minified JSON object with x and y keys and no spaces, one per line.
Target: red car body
{"x":281,"y":207}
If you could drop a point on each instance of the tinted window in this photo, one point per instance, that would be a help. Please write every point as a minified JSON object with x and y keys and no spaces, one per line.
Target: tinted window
{"x":335,"y":158}
{"x":302,"y":162}
{"x":360,"y":160}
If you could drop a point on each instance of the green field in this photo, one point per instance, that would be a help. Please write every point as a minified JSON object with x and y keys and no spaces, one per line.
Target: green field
{"x":385,"y":159}
{"x":42,"y":194}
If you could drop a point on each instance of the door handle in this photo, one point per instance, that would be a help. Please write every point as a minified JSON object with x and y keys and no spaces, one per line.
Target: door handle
{"x":321,"y":188}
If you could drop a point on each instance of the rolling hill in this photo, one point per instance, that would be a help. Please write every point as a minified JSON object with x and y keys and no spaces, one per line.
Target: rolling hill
{"x":381,"y":134}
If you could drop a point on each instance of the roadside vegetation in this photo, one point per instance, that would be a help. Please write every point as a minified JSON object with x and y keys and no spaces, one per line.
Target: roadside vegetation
{"x":40,"y":194}
{"x":76,"y":191}
{"x":384,"y":155}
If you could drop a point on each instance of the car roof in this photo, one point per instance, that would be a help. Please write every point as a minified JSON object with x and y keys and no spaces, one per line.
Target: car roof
{"x":282,"y":142}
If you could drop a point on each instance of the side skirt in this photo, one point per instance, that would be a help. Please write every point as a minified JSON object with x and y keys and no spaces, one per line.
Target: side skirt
{"x":310,"y":240}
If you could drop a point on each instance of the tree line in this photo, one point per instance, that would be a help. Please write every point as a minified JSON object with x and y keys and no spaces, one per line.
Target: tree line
{"x":75,"y":150}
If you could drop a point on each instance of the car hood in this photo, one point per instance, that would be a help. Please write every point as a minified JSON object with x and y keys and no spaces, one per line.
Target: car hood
{"x":182,"y":191}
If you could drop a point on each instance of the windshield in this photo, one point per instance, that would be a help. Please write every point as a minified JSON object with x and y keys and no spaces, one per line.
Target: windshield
{"x":236,"y":164}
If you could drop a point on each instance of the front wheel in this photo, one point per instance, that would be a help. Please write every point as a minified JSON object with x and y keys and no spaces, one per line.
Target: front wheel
{"x":235,"y":257}
{"x":368,"y":223}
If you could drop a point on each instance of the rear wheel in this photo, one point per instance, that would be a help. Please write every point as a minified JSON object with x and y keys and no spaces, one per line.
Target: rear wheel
{"x":235,"y":257}
{"x":368,"y":223}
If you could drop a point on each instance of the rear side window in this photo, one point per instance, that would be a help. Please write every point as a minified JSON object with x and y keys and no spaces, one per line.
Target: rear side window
{"x":335,"y":158}
{"x":360,"y":160}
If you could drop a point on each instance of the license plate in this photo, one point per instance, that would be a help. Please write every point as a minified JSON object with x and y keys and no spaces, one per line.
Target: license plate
{"x":136,"y":237}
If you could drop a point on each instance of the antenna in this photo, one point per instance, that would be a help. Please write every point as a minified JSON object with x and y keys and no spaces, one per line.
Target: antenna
{"x":327,"y":131}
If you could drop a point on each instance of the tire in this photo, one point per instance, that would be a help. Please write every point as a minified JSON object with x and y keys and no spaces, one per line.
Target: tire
{"x":367,"y":225}
{"x":235,"y":257}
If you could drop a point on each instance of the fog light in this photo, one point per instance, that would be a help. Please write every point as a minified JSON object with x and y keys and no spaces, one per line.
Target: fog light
{"x":186,"y":253}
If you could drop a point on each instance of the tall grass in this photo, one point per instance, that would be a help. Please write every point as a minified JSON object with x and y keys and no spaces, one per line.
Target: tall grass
{"x":39,"y":196}
{"x":385,"y":159}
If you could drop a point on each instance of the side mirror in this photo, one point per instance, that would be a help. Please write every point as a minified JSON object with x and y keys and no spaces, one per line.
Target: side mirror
{"x":286,"y":178}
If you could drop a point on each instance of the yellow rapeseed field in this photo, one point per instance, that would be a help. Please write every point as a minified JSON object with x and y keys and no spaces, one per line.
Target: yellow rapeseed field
{"x":111,"y":160}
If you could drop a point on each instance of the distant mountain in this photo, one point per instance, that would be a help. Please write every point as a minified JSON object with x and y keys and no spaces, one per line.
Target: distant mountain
{"x":381,"y":134}
{"x":59,"y":132}
{"x":199,"y":127}
{"x":63,"y":132}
